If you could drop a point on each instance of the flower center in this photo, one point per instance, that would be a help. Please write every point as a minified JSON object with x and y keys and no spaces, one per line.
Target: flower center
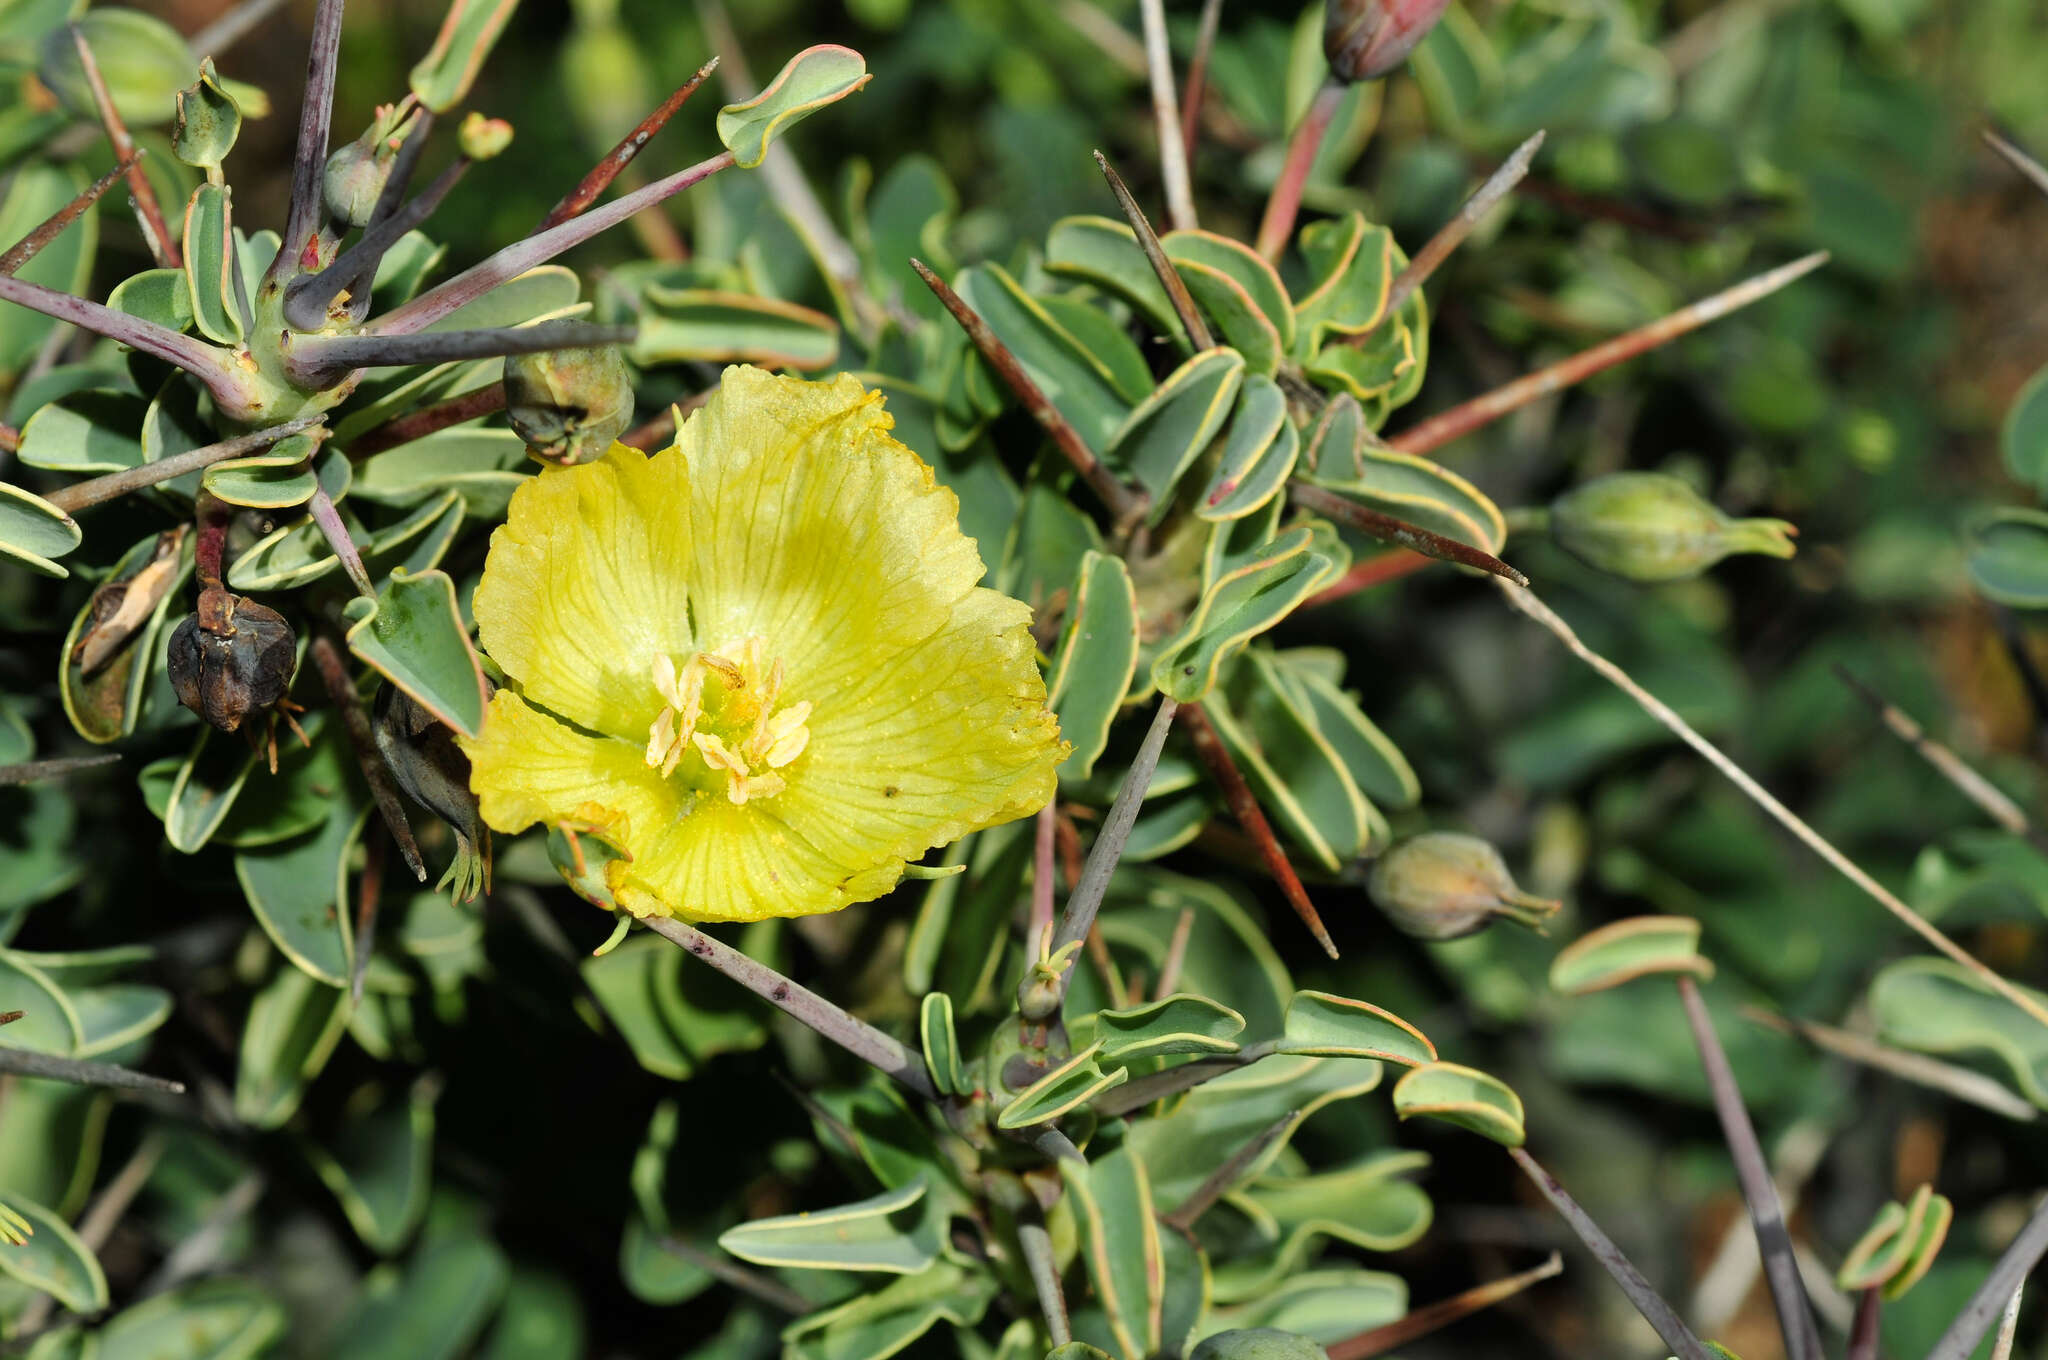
{"x":729,"y":714}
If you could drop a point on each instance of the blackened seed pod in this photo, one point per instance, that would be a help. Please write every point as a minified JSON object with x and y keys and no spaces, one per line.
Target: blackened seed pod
{"x":231,"y":658}
{"x":569,"y":404}
{"x":1651,"y":526}
{"x":1258,"y":1343}
{"x":1365,"y":39}
{"x":1444,"y":884}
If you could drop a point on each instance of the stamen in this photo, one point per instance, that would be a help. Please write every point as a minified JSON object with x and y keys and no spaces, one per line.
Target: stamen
{"x":754,"y":739}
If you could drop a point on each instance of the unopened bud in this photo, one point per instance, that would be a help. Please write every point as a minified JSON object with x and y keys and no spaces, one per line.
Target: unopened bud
{"x":356,"y":173}
{"x":208,"y":121}
{"x":1651,"y":526}
{"x":1258,"y":1343}
{"x":422,"y":755}
{"x":231,"y":659}
{"x":1365,"y":39}
{"x":1443,"y":884}
{"x":569,"y":404}
{"x":482,"y":138}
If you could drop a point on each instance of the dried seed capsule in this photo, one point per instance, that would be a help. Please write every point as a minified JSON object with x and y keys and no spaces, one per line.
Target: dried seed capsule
{"x":1365,"y":39}
{"x":1442,"y":884}
{"x":1258,"y":1343}
{"x":231,"y":658}
{"x":569,"y":404}
{"x":1651,"y":526}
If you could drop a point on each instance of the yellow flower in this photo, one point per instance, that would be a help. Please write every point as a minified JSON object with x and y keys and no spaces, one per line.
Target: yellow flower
{"x":757,"y":663}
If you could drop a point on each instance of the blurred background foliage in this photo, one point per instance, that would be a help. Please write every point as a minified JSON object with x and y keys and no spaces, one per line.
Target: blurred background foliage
{"x":1689,"y":142}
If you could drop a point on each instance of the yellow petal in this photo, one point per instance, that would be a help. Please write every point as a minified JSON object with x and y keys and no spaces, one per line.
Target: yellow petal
{"x":816,"y":530}
{"x":526,"y":768}
{"x":586,"y":585}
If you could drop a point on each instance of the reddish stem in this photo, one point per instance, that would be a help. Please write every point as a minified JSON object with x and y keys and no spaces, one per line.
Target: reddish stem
{"x":29,"y":246}
{"x":1276,"y":228}
{"x":621,"y":156}
{"x":1209,"y":748}
{"x":162,"y":244}
{"x":429,"y":420}
{"x":1483,"y":410}
{"x":1373,"y":571}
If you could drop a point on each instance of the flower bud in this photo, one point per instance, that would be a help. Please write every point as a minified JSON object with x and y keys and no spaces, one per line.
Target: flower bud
{"x":1258,"y":1343}
{"x":355,"y":175}
{"x":1365,"y":39}
{"x":208,"y":121}
{"x":1442,"y":884}
{"x":1651,"y":526}
{"x":481,"y":138}
{"x":231,"y":658}
{"x":421,"y":753}
{"x":569,"y":404}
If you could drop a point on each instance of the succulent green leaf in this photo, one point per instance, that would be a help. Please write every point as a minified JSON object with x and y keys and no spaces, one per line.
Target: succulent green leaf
{"x":1097,"y":659}
{"x":542,"y":1318}
{"x":210,"y":263}
{"x":294,"y":1024}
{"x":1181,"y":1023}
{"x":1209,"y":256}
{"x":1291,"y":765}
{"x":442,"y":77}
{"x":1898,"y":1246}
{"x":1119,"y":1230}
{"x":941,"y":1045}
{"x":203,"y":790}
{"x":1256,"y":456}
{"x":1412,"y":488}
{"x":485,"y":463}
{"x":1463,"y":1096}
{"x":1062,"y":1090}
{"x":208,"y":121}
{"x":883,"y":1233}
{"x":1244,"y":601}
{"x":88,"y":432}
{"x":1374,"y":763}
{"x":1384,"y":369}
{"x":277,"y":479}
{"x":49,"y":1022}
{"x":413,"y":635}
{"x":381,"y":1167}
{"x":1164,"y":435}
{"x":1367,"y":1204}
{"x":1327,"y":1025}
{"x":2024,"y":436}
{"x":1638,"y":946}
{"x":143,"y":60}
{"x":702,"y":324}
{"x":813,"y":78}
{"x":1185,"y":1299}
{"x":33,"y":531}
{"x":215,"y":1319}
{"x":160,"y":295}
{"x":448,"y":1293}
{"x":1083,"y":383}
{"x":1236,"y":316}
{"x":1353,"y":265}
{"x":1106,"y":254}
{"x":297,"y":890}
{"x":54,"y":1261}
{"x":37,"y":190}
{"x":1934,"y":1005}
{"x":1166,"y":824}
{"x":116,"y":1014}
{"x":298,"y":554}
{"x":1217,"y":1119}
{"x":878,"y":1325}
{"x":2008,"y":556}
{"x":1325,"y":1306}
{"x":622,"y":980}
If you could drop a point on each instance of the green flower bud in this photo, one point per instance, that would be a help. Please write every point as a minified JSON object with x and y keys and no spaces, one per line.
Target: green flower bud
{"x":1441,"y":885}
{"x":356,"y":173}
{"x":1259,"y":1343}
{"x":569,"y":404}
{"x":482,"y":138}
{"x":1650,"y":526}
{"x":207,"y":123}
